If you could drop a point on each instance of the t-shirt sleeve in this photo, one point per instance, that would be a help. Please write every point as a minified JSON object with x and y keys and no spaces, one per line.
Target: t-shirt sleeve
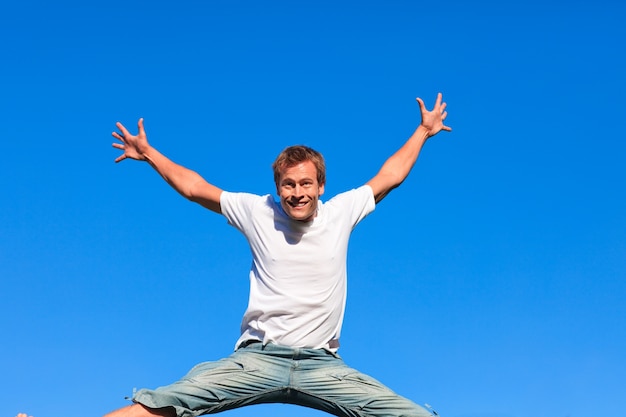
{"x":238,"y":207}
{"x":356,"y":203}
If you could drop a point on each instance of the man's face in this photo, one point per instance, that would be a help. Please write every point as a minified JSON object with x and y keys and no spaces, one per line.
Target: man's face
{"x":299,"y":191}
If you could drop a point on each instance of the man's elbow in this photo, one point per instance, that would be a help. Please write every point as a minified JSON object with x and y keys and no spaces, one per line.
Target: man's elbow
{"x":394,"y":180}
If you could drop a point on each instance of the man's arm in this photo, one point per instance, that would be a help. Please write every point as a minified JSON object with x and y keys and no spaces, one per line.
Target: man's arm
{"x":187,"y":182}
{"x":395,"y":169}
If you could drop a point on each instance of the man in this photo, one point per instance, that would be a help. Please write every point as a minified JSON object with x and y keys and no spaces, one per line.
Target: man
{"x":290,"y":331}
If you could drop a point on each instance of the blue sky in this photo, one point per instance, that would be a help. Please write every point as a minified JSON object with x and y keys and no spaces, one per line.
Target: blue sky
{"x":490,"y":284}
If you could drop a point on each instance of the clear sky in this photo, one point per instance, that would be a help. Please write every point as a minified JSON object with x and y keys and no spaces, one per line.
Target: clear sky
{"x":490,"y":284}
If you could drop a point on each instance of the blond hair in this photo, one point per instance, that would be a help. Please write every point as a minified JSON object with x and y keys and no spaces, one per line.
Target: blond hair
{"x":294,"y":155}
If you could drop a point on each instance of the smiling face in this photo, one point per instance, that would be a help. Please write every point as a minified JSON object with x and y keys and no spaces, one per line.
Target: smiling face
{"x":299,"y":191}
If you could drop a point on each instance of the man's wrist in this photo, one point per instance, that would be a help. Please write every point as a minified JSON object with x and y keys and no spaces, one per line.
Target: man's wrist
{"x":148,"y":154}
{"x":422,"y":132}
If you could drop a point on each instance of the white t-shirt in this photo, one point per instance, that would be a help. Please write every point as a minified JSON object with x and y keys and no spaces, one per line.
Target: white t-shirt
{"x":298,"y":275}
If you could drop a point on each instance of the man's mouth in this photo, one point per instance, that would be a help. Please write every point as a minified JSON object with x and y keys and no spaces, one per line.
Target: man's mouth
{"x":297,"y":204}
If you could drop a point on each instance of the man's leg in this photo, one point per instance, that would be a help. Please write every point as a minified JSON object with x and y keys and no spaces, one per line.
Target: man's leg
{"x":328,"y":384}
{"x":246,"y":377}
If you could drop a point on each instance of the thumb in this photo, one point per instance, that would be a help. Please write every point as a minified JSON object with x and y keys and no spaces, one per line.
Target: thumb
{"x":421,"y":104}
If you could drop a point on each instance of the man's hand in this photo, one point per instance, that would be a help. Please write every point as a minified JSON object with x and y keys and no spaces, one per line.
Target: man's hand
{"x":433,"y":120}
{"x":134,"y":147}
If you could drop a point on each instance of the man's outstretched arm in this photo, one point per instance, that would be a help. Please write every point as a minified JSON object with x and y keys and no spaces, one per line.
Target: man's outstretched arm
{"x":395,"y":169}
{"x":187,"y":182}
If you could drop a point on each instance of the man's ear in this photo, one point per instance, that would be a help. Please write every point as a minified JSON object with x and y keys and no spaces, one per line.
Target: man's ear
{"x":321,"y":191}
{"x":277,"y":187}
